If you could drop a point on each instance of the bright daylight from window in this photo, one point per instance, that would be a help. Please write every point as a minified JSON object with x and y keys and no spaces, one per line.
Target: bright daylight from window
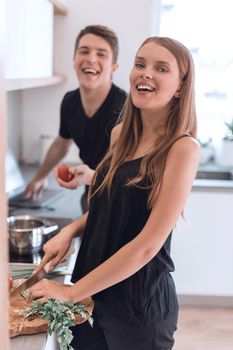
{"x":205,"y":27}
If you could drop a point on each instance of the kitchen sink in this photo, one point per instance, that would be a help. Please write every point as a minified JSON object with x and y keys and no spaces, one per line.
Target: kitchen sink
{"x":214,"y":175}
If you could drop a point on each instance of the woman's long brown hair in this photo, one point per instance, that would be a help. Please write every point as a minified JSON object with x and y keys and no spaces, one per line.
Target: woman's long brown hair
{"x":181,"y":121}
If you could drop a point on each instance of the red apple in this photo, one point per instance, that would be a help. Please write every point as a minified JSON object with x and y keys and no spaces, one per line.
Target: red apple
{"x":64,"y":174}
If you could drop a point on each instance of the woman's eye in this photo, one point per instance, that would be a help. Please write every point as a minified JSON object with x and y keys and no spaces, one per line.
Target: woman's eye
{"x":139,"y":65}
{"x":162,"y":69}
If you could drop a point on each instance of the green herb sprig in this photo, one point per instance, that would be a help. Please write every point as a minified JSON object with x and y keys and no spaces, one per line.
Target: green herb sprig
{"x":61,"y":316}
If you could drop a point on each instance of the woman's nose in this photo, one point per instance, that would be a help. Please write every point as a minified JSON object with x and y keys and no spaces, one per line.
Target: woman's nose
{"x":146,"y":75}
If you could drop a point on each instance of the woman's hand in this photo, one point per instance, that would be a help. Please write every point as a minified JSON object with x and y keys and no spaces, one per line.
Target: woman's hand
{"x":82,"y":176}
{"x":46,"y":289}
{"x":55,"y":249}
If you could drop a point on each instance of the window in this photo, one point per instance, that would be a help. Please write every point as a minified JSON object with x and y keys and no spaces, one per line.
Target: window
{"x":205,"y":27}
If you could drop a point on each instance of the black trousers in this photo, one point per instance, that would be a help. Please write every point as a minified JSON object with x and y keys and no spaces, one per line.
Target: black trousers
{"x":109,"y":333}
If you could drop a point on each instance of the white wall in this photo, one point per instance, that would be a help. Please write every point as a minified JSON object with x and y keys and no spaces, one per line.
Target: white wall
{"x":14,"y":121}
{"x":131,"y":20}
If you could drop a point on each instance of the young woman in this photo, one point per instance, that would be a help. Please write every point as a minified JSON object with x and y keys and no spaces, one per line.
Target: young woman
{"x":138,"y":193}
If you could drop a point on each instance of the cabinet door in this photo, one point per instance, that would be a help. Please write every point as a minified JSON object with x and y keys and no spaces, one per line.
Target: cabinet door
{"x":202,"y":246}
{"x":29,"y":39}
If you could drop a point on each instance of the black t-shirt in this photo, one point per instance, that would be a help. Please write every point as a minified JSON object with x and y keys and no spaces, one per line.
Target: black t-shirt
{"x":91,"y":135}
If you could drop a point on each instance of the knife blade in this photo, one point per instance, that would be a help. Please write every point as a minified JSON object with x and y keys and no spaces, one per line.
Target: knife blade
{"x":42,"y":273}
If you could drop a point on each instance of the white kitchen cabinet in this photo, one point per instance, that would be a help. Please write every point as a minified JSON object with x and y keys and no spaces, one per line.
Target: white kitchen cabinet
{"x":17,"y":88}
{"x":29,"y":43}
{"x":202,"y":246}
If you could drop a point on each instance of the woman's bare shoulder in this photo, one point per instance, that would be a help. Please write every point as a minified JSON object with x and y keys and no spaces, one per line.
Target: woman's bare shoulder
{"x":184,"y":152}
{"x":115,"y":133}
{"x":185,"y":145}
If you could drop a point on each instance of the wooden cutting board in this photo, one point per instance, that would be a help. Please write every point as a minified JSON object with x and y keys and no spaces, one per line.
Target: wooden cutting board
{"x":32,"y":325}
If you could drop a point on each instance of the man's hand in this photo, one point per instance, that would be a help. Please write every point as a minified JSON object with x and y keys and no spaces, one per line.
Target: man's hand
{"x":35,"y":188}
{"x":82,"y":176}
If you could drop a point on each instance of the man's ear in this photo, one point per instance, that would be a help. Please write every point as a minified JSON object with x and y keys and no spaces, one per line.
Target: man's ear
{"x":115,"y":67}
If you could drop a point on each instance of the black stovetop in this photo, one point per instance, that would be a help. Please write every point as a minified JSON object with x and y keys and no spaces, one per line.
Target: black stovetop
{"x":35,"y":257}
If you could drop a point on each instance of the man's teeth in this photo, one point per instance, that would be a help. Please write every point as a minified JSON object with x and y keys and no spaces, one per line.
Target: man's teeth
{"x":145,"y":88}
{"x":90,"y":70}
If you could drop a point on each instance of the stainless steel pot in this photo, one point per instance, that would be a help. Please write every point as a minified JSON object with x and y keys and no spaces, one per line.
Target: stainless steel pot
{"x":27,"y":234}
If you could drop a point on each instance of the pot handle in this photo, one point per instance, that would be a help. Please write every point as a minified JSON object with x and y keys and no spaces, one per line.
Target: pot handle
{"x":50,"y":229}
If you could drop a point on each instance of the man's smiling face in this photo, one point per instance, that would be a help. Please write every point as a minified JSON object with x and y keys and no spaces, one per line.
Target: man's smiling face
{"x":93,"y":62}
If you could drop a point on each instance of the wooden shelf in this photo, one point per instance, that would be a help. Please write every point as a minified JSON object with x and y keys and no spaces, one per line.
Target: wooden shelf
{"x":59,"y":9}
{"x":20,"y":84}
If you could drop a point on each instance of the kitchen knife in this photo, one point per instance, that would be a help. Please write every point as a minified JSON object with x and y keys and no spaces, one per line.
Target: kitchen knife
{"x":42,"y":273}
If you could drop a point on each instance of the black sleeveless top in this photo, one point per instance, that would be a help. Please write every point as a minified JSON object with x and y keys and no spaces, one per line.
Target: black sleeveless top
{"x":112,"y":222}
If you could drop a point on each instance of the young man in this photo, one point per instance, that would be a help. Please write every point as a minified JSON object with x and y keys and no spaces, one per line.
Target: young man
{"x":88,"y":113}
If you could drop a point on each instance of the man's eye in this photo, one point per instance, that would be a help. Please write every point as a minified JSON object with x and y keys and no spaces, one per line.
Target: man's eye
{"x":84,"y":52}
{"x":100,"y":54}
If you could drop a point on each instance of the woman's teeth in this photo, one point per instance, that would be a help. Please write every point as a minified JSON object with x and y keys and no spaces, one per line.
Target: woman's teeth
{"x":145,"y":88}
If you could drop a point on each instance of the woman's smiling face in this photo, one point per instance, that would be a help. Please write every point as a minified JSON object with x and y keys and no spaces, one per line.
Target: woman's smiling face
{"x":155,"y":78}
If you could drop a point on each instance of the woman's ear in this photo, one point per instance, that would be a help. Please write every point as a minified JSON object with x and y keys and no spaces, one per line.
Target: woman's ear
{"x":177,"y":93}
